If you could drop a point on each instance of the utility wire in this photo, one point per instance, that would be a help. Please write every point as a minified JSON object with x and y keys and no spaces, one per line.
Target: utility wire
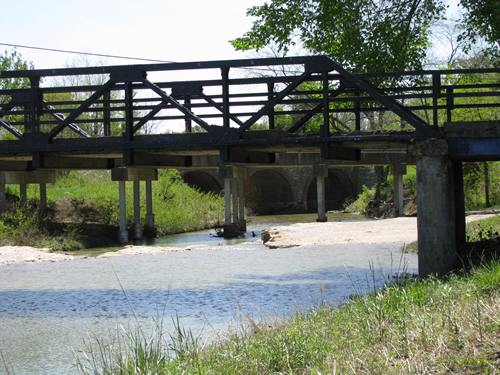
{"x":84,"y":53}
{"x":118,"y":56}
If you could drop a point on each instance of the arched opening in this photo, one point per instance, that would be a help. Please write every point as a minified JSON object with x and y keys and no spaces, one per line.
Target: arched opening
{"x":339,"y":189}
{"x":268,"y":192}
{"x":203,"y":181}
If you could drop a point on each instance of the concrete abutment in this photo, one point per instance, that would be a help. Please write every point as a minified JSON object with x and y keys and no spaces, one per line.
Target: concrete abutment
{"x":440,"y":214}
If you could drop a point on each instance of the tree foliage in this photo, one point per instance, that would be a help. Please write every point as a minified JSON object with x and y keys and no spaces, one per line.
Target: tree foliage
{"x":481,"y":19}
{"x":12,"y":60}
{"x":363,"y":35}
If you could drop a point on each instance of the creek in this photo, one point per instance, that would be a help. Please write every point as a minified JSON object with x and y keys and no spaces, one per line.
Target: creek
{"x":47,"y":310}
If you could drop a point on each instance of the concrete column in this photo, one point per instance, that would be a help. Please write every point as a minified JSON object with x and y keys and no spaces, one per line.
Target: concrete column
{"x":3,"y":198}
{"x":43,"y":196}
{"x":23,"y":194}
{"x":150,"y":217}
{"x":320,"y":192}
{"x":241,"y":205}
{"x":398,"y":170}
{"x":321,"y":172}
{"x":227,"y":201}
{"x":123,"y":232}
{"x":437,"y":218}
{"x":235,"y":205}
{"x":137,"y":210}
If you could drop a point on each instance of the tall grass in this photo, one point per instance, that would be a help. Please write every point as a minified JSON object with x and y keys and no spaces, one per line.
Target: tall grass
{"x":424,"y":326}
{"x":78,"y":198}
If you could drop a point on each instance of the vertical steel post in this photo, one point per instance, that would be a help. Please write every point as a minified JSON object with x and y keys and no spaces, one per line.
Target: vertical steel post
{"x":106,"y":114}
{"x":270,"y":95}
{"x":123,"y":232}
{"x":357,"y":110}
{"x":225,"y":96}
{"x":33,"y":109}
{"x":325,"y":127}
{"x":129,"y":111}
{"x":449,"y":104}
{"x":436,"y":92}
{"x":187,"y":120}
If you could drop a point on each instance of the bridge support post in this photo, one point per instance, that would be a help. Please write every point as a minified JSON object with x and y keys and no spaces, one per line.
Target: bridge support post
{"x":149,"y":224}
{"x":23,"y":193}
{"x":135,"y":174}
{"x":232,"y":201}
{"x":437,"y":180}
{"x":235,"y":201}
{"x":321,"y":172}
{"x":122,"y":201}
{"x":241,"y":205}
{"x":398,"y":170}
{"x":3,"y":197}
{"x":227,"y":201}
{"x":43,"y":196}
{"x":137,"y":210}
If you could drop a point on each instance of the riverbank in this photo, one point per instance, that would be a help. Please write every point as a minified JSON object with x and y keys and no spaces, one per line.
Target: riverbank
{"x":397,"y":231}
{"x":82,"y":211}
{"x":424,"y":326}
{"x":402,"y":230}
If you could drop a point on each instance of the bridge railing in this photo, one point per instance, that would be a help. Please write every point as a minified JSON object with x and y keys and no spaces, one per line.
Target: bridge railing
{"x":310,"y":96}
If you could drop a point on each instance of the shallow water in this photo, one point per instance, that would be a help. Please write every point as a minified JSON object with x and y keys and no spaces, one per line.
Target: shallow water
{"x":47,"y":309}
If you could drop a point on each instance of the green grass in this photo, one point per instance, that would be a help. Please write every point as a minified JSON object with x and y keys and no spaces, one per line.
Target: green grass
{"x":79,"y":198}
{"x":476,"y":231}
{"x":424,"y":326}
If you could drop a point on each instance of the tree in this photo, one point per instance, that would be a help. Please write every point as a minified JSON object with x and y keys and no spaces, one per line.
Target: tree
{"x":363,"y":35}
{"x":481,"y":19}
{"x":12,"y":60}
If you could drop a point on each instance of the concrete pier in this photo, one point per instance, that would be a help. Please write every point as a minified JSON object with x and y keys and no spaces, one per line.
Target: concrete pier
{"x":137,"y":210}
{"x":227,"y":201}
{"x":122,"y":216}
{"x":437,"y":181}
{"x":241,"y":205}
{"x":149,"y":224}
{"x":321,"y":172}
{"x":398,"y":171}
{"x":235,"y":201}
{"x":135,"y":174}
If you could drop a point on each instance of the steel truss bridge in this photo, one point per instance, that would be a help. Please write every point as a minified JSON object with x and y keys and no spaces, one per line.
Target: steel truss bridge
{"x":93,"y":116}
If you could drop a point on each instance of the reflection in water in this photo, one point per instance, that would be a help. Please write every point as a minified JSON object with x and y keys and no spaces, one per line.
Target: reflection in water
{"x":48,"y":308}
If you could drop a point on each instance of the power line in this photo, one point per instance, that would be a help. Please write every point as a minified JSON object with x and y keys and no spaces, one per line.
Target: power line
{"x":84,"y":53}
{"x":118,"y":56}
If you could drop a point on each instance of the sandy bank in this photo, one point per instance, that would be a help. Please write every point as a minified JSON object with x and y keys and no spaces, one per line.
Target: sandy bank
{"x":27,"y":254}
{"x":396,"y":230}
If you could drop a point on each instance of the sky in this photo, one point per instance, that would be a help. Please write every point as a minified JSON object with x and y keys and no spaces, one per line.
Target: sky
{"x":173,"y":30}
